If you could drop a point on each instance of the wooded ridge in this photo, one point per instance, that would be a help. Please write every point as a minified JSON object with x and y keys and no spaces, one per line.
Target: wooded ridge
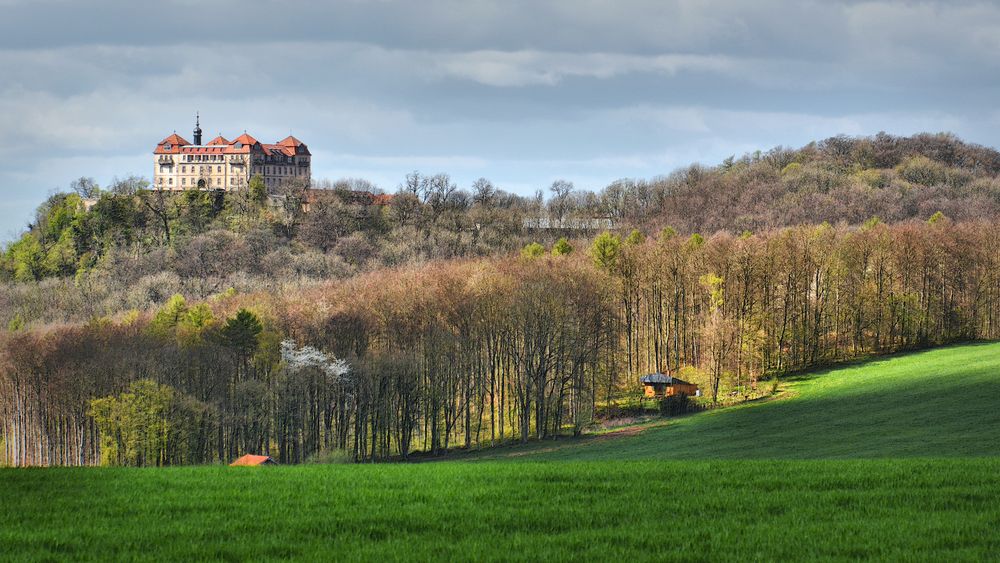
{"x":93,"y":252}
{"x":471,"y":352}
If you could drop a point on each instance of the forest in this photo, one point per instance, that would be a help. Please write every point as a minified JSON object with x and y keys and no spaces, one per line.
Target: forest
{"x":475,"y":352}
{"x":164,"y":329}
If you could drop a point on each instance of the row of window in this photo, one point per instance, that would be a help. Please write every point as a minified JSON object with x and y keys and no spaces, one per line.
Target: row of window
{"x":287,"y":170}
{"x":222,"y":158}
{"x":204,"y":158}
{"x":201,"y":169}
{"x":208,"y":158}
{"x":184,"y":181}
{"x":218,"y":169}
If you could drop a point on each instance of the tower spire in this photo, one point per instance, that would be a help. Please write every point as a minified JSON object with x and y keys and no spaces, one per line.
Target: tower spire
{"x":197,"y":128}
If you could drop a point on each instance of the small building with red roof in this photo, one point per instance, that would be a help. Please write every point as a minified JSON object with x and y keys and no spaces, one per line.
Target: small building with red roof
{"x":227,"y":165}
{"x":253,"y":460}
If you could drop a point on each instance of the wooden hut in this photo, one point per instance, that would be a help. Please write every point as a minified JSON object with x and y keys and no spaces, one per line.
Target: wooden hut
{"x":252,"y":460}
{"x":665,"y":385}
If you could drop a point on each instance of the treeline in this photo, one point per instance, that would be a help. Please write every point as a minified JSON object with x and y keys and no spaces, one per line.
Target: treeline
{"x":125,"y":246}
{"x":468,"y":353}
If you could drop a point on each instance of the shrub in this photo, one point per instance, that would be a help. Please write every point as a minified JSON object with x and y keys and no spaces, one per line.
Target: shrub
{"x":922,"y":170}
{"x":533,"y":250}
{"x":562,"y":247}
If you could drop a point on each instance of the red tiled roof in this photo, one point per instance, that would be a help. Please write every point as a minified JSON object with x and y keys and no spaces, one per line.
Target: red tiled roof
{"x":245,"y":139}
{"x":175,"y":139}
{"x":271,"y":149}
{"x":250,"y":459}
{"x":297,"y":146}
{"x":290,"y":146}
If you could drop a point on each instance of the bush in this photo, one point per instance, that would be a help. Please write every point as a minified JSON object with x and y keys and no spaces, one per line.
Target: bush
{"x":922,"y":170}
{"x":533,"y":250}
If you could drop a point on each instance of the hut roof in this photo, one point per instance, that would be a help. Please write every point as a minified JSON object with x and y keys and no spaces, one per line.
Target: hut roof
{"x":656,"y":378}
{"x":250,"y":459}
{"x":662,"y":378}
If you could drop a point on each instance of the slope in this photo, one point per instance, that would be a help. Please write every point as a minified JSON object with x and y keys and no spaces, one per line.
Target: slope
{"x":942,"y":402}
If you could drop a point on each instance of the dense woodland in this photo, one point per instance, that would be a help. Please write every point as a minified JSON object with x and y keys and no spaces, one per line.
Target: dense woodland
{"x":161,"y":329}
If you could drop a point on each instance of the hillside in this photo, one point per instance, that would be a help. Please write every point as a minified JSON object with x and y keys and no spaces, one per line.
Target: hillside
{"x":674,"y":493}
{"x":943,"y":402}
{"x":471,"y":353}
{"x":129,"y":245}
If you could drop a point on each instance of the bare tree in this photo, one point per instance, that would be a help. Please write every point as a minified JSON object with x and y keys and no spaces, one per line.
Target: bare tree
{"x":560,"y":203}
{"x":129,"y":185}
{"x":85,"y":187}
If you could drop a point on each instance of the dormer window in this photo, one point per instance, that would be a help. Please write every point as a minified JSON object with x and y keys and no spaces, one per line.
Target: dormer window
{"x":238,"y":145}
{"x":166,"y":146}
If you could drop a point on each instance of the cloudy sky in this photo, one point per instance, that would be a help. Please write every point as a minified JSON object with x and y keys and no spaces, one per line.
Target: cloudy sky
{"x":521,"y":92}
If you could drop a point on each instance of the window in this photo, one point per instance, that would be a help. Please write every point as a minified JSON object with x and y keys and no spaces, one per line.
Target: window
{"x":166,"y":146}
{"x":159,"y":180}
{"x":218,"y":181}
{"x":170,"y":181}
{"x":218,"y":169}
{"x":184,"y":181}
{"x":184,"y":168}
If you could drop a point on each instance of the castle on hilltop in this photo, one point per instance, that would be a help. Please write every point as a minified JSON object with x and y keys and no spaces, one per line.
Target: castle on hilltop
{"x":222,"y":164}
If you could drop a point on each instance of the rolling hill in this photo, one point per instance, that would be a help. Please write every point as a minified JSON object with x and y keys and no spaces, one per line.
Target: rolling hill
{"x":941,"y":402}
{"x":763,"y":481}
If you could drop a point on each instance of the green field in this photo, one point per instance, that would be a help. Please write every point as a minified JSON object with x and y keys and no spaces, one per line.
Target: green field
{"x":938,"y":403}
{"x":924,"y":484}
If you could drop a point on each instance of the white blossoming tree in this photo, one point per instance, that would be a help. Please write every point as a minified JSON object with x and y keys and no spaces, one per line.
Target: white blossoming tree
{"x":298,"y":359}
{"x":317,"y":389}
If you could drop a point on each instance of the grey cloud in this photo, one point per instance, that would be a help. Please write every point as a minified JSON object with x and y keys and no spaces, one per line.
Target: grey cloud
{"x":520,"y":91}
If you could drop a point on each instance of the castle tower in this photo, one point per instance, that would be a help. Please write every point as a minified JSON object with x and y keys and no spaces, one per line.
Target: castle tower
{"x":197,"y":129}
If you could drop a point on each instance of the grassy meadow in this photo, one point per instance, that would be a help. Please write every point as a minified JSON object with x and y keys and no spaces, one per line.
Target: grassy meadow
{"x":940,"y":403}
{"x":895,"y":458}
{"x":893,"y":509}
